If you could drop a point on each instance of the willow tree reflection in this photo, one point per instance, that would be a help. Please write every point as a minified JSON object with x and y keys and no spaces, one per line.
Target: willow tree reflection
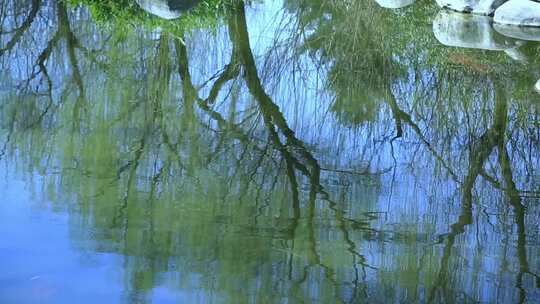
{"x":203,"y":182}
{"x":441,"y":108}
{"x":135,"y":168}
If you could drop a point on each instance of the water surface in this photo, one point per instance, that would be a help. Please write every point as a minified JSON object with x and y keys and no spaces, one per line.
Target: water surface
{"x":275,"y":152}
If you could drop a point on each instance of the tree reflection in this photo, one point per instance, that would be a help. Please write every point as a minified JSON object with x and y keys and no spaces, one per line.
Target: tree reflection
{"x":204,"y":181}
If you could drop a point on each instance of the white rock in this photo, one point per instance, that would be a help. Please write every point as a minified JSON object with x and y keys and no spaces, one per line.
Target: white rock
{"x":159,"y":8}
{"x":517,"y":54}
{"x":470,"y":31}
{"x":518,"y":32}
{"x":519,"y":12}
{"x":537,"y":86}
{"x":394,"y":3}
{"x":480,"y":7}
{"x":166,"y":9}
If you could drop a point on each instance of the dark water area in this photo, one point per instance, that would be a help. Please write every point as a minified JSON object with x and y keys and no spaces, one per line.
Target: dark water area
{"x":268,"y":152}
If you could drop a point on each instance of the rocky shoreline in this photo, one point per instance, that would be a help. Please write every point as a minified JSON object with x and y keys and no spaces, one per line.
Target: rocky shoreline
{"x":494,"y":25}
{"x":519,"y":13}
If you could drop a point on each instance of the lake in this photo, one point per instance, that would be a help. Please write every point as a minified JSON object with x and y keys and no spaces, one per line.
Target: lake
{"x":276,"y":151}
